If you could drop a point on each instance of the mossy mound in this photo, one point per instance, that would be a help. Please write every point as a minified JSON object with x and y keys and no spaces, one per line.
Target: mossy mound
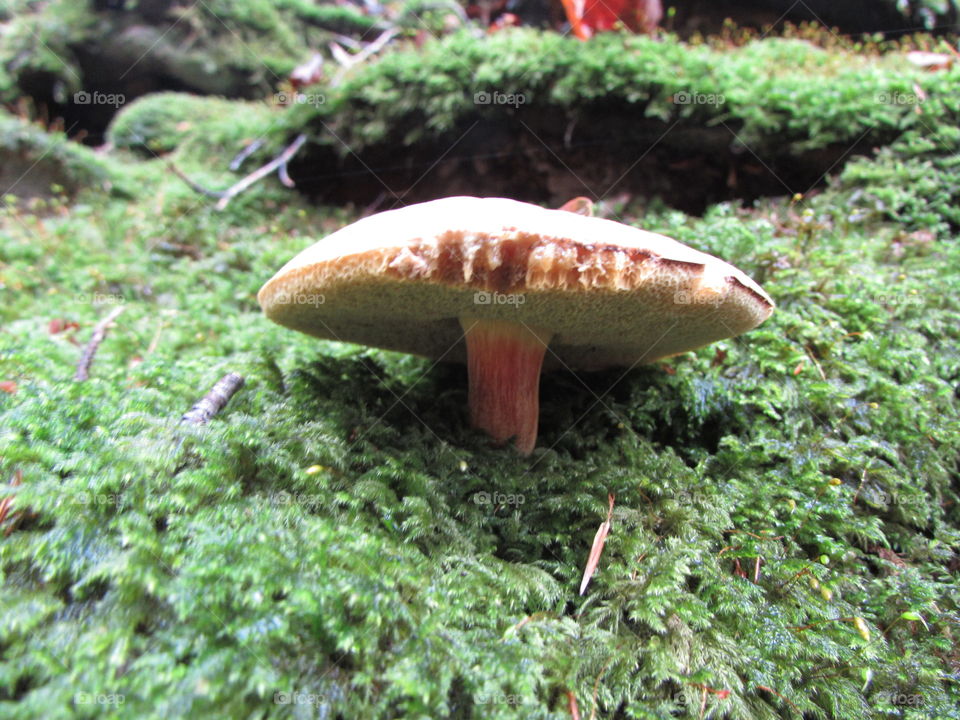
{"x":54,"y":50}
{"x":35,"y":163}
{"x":542,"y":117}
{"x":162,"y":122}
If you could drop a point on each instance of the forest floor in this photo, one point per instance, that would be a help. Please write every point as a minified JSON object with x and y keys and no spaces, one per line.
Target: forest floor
{"x":338,"y":543}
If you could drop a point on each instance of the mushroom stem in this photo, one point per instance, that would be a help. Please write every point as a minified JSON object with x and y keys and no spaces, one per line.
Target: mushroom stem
{"x":503,"y":367}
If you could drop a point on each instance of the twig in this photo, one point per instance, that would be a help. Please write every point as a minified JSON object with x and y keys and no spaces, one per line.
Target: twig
{"x":224,"y":196}
{"x":347,"y":60}
{"x":377,"y":45}
{"x":863,"y":479}
{"x":531,"y":618}
{"x":262,"y":172}
{"x":596,"y":687}
{"x":372,"y":207}
{"x":249,"y":150}
{"x":99,"y":333}
{"x":809,"y":350}
{"x":339,"y":54}
{"x":195,"y":186}
{"x":348,"y":41}
{"x":215,"y":400}
{"x":774,"y":692}
{"x":284,"y":176}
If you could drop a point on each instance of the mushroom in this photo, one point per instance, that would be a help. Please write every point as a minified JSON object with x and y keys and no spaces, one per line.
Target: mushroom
{"x":496,"y":283}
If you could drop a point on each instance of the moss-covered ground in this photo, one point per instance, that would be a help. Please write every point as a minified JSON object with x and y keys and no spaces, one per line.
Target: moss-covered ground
{"x":338,"y":543}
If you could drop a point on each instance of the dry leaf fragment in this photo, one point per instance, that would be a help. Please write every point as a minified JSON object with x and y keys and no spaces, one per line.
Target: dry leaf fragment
{"x":598,"y":541}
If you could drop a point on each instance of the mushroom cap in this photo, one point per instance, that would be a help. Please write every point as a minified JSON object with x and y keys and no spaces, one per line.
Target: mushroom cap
{"x":611,"y":294}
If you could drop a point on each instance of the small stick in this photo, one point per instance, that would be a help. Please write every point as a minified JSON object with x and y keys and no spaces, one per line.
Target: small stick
{"x":99,"y":333}
{"x":816,"y":364}
{"x":348,"y":41}
{"x":774,"y":692}
{"x":260,"y":173}
{"x":249,"y":150}
{"x":285,"y":176}
{"x":195,"y":186}
{"x":863,"y":479}
{"x":347,"y":60}
{"x":372,"y":207}
{"x":224,"y":196}
{"x":596,"y":687}
{"x":215,"y":400}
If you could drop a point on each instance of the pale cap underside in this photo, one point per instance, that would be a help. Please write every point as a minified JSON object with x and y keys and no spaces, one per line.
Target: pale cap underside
{"x":611,"y":294}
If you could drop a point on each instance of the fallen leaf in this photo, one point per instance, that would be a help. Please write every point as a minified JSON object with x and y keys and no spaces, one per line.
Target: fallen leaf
{"x":59,"y":325}
{"x":930,"y":60}
{"x":308,"y":73}
{"x":598,"y":542}
{"x":579,"y":206}
{"x":588,"y":17}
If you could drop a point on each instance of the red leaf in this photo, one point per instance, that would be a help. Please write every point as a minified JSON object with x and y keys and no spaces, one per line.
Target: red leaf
{"x":8,"y":386}
{"x":588,"y":17}
{"x":59,"y":325}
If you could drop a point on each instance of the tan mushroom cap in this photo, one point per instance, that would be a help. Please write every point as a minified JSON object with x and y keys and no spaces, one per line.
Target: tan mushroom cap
{"x":611,"y":294}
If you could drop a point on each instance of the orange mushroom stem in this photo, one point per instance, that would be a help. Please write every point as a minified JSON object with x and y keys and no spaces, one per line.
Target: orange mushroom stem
{"x":503,"y":367}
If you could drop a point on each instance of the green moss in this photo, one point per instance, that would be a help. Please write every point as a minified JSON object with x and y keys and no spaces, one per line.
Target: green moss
{"x":36,"y":163}
{"x":162,"y":122}
{"x":774,"y":91}
{"x":338,"y":541}
{"x":38,"y":47}
{"x":199,"y":571}
{"x":238,"y":49}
